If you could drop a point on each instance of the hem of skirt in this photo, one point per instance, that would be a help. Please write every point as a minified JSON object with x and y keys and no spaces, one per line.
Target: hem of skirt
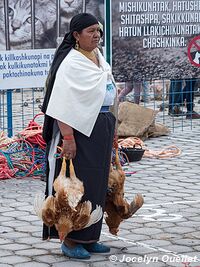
{"x":82,"y":241}
{"x":50,"y":237}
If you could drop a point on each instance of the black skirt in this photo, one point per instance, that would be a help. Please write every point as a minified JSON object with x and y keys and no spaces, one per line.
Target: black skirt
{"x":91,"y":164}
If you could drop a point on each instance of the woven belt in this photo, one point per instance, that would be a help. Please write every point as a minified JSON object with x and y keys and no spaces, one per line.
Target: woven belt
{"x":104,"y":109}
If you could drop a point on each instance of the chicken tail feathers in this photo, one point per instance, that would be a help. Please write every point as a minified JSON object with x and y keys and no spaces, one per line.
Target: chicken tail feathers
{"x":95,"y":216}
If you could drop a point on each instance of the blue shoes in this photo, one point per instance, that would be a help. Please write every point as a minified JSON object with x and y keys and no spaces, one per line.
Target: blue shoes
{"x":77,"y":252}
{"x":81,"y":251}
{"x":96,"y":248}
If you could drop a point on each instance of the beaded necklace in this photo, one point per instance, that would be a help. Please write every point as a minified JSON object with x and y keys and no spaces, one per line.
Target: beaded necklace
{"x":90,"y":55}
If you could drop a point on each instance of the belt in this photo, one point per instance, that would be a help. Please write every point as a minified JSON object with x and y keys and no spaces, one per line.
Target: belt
{"x":104,"y":109}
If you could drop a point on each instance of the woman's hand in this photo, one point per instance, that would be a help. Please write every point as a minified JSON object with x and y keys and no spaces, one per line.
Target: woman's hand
{"x":69,"y":149}
{"x":69,"y":144}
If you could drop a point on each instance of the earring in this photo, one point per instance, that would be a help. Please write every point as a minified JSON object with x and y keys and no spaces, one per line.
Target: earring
{"x":77,"y":45}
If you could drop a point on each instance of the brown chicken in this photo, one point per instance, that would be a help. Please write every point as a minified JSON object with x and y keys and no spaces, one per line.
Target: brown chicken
{"x":117,"y":208}
{"x":64,"y":210}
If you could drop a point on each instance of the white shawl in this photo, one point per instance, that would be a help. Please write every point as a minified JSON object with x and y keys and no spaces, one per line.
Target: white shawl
{"x":78,"y":92}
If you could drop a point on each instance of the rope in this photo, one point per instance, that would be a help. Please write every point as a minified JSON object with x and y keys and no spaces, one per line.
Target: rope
{"x":23,"y":155}
{"x":20,"y":158}
{"x":5,"y":171}
{"x":130,"y":142}
{"x":33,"y":133}
{"x":167,"y":152}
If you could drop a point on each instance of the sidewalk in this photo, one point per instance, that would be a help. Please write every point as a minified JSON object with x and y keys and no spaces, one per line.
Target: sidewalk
{"x":164,"y":232}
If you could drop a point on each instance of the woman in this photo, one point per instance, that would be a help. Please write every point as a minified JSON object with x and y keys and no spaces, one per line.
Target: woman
{"x":76,"y":106}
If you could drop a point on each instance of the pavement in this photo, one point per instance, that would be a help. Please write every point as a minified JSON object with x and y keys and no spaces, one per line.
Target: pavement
{"x":164,"y":232}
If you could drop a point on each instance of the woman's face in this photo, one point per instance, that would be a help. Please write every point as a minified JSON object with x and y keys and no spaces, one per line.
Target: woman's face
{"x":89,"y":37}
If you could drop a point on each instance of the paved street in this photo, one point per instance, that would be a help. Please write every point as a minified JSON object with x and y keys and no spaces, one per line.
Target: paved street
{"x":164,"y":232}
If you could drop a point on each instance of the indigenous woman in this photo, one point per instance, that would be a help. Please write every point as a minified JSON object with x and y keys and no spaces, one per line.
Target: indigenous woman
{"x":79,"y":94}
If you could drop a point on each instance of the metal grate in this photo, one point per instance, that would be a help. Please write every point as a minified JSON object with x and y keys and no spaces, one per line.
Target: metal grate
{"x":165,"y":96}
{"x":25,"y":104}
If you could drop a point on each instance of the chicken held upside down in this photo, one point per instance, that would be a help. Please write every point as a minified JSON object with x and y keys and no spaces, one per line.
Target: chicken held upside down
{"x":117,"y":208}
{"x":65,"y":209}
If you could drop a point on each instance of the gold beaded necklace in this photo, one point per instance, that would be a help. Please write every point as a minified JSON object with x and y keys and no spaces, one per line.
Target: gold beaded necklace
{"x":89,"y":54}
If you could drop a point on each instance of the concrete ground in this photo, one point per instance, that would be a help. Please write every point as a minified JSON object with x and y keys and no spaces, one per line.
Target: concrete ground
{"x":164,"y":232}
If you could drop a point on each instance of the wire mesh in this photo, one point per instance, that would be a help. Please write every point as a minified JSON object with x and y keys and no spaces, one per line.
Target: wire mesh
{"x":177,"y":101}
{"x":26,"y":103}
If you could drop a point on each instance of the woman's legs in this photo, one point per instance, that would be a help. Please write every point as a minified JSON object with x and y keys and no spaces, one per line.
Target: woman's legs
{"x":137,"y":90}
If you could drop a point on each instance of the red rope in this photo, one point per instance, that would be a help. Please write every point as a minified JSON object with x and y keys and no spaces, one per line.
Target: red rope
{"x":5,"y":171}
{"x":18,"y":156}
{"x":33,"y":133}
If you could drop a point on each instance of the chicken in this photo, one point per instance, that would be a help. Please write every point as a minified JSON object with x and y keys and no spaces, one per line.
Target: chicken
{"x":64,"y":209}
{"x":76,"y":220}
{"x":73,"y":187}
{"x":117,"y":208}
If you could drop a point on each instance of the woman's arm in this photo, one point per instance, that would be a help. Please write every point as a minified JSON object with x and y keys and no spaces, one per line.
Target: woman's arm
{"x":69,"y":144}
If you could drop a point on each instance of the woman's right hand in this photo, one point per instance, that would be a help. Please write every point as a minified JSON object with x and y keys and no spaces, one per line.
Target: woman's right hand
{"x":69,"y":149}
{"x":69,"y":144}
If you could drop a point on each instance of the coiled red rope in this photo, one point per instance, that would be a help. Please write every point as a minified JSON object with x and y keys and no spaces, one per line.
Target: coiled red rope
{"x":33,"y":133}
{"x":24,"y":154}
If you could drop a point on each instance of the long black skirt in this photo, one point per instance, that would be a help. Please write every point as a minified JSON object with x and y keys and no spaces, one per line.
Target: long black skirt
{"x":91,"y":164}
